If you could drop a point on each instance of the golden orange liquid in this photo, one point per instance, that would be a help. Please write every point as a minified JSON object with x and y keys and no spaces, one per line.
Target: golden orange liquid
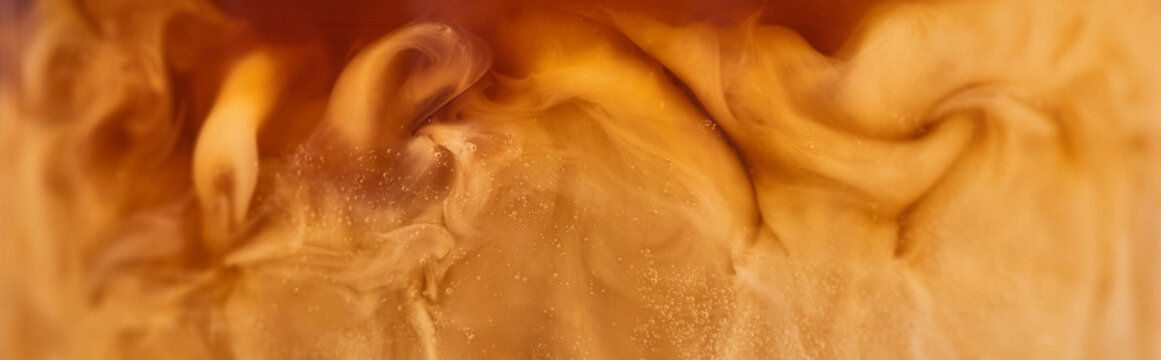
{"x":567,"y":179}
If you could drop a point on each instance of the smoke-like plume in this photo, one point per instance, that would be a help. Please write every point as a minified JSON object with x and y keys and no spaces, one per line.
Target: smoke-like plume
{"x":193,"y":179}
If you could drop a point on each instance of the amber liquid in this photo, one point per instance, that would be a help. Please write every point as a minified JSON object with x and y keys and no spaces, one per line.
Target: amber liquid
{"x":568,"y":179}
